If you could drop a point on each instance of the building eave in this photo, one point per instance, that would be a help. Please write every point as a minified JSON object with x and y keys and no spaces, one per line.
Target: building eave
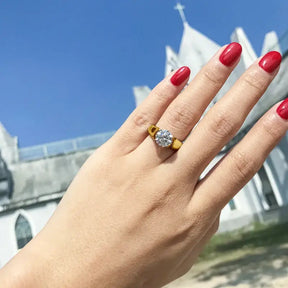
{"x":30,"y":202}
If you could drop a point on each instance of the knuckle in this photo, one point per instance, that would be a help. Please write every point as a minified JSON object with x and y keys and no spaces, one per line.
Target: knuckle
{"x":222,"y":126}
{"x":271,"y":128}
{"x":198,"y":221}
{"x":244,"y":165}
{"x":159,"y":95}
{"x":180,"y":116}
{"x":254,"y":82}
{"x":214,"y":78}
{"x":163,"y":93}
{"x":141,"y":119}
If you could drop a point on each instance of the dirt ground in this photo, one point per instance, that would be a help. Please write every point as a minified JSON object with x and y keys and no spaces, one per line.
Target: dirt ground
{"x":257,"y":268}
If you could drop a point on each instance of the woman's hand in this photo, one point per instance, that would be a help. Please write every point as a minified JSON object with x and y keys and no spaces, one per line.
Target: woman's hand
{"x":137,"y":215}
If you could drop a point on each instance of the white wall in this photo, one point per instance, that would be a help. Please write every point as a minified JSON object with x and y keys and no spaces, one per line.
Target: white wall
{"x":37,"y":217}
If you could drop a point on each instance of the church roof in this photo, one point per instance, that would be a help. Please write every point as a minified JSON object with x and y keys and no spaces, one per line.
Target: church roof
{"x":195,"y":49}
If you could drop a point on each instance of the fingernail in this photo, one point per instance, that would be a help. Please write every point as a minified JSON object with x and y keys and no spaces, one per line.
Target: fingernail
{"x":231,"y":54}
{"x":271,"y":61}
{"x":282,"y":109}
{"x":180,"y":76}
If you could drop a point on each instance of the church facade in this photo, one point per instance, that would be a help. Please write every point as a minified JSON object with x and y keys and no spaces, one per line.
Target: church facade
{"x":34,"y":179}
{"x":265,"y":197}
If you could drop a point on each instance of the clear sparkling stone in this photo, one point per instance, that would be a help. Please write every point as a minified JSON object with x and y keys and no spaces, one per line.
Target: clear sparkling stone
{"x":163,"y":138}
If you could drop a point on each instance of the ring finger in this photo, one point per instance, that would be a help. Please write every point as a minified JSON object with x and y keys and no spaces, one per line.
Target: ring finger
{"x":185,"y":111}
{"x":223,"y":121}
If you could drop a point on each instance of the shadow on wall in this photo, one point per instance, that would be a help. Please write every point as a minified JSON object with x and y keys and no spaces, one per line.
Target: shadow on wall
{"x":278,"y":163}
{"x":283,"y":146}
{"x":10,"y":183}
{"x":6,"y":178}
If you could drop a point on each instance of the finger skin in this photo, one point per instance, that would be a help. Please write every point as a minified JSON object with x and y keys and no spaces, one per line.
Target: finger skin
{"x":149,"y":112}
{"x":224,"y":120}
{"x":216,"y":189}
{"x":185,"y":111}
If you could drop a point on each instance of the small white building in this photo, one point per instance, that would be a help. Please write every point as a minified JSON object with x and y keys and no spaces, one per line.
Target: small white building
{"x":34,"y":179}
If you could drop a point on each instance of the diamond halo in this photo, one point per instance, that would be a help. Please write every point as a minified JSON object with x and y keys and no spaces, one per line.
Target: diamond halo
{"x":163,"y":138}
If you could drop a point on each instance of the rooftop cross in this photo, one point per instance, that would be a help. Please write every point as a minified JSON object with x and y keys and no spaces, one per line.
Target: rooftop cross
{"x":181,"y":8}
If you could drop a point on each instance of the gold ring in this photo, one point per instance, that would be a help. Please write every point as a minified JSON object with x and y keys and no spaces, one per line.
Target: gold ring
{"x":164,"y":138}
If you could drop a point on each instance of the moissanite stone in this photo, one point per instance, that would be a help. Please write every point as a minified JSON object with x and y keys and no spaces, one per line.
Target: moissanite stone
{"x":163,"y":138}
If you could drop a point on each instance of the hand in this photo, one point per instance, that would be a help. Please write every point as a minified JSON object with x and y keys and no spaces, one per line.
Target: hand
{"x":137,"y":215}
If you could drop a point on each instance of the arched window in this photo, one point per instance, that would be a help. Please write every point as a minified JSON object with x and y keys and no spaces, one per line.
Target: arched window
{"x":267,"y":190}
{"x":23,"y":231}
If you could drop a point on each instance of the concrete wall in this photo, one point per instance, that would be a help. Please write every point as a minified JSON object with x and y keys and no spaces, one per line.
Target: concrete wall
{"x":46,"y":176}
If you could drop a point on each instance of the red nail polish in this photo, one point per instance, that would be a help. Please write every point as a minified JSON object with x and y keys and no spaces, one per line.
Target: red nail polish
{"x":180,"y":76}
{"x":270,"y":61}
{"x":282,"y":109}
{"x":231,"y":54}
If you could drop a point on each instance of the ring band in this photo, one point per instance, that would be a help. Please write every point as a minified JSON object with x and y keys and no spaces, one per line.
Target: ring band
{"x":164,"y":138}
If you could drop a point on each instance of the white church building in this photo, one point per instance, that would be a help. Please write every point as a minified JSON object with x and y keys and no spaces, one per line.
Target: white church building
{"x":34,"y":179}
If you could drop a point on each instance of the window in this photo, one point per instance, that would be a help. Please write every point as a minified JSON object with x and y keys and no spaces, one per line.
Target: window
{"x":23,"y":231}
{"x":232,"y":204}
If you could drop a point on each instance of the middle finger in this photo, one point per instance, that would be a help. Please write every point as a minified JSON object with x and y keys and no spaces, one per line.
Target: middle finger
{"x":226,"y":117}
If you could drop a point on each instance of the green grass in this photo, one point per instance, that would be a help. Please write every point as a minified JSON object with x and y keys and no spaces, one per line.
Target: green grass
{"x":259,"y":236}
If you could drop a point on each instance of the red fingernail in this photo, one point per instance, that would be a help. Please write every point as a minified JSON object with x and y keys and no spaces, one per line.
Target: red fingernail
{"x":282,"y":109}
{"x":180,"y":76}
{"x":231,"y":54}
{"x":271,"y":61}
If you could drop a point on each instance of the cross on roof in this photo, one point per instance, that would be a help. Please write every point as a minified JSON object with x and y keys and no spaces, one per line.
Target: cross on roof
{"x":181,"y":8}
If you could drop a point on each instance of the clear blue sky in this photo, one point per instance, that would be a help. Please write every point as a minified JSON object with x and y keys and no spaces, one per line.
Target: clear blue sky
{"x":67,"y":67}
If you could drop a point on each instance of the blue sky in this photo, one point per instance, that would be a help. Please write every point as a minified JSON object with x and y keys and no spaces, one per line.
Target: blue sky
{"x":67,"y":67}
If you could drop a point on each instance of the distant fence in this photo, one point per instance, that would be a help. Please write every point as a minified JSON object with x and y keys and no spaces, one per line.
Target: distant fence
{"x":63,"y":147}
